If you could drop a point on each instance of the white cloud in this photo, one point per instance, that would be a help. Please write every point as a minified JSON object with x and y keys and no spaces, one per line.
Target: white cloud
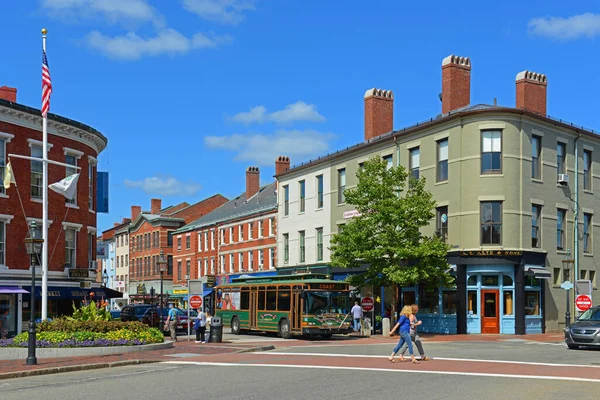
{"x":223,"y":11}
{"x":113,"y":10}
{"x":165,"y":186}
{"x":299,"y":111}
{"x":168,"y":41}
{"x":582,"y":25}
{"x":262,"y":149}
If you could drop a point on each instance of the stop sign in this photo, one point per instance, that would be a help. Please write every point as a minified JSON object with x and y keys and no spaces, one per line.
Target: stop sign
{"x":583,"y":302}
{"x":195,"y":301}
{"x":367,"y":303}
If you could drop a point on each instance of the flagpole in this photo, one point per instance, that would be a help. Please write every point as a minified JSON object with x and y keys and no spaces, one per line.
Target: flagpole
{"x":45,"y":205}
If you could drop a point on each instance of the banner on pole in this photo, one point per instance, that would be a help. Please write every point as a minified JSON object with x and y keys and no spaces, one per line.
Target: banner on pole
{"x":67,"y":187}
{"x":102,"y":192}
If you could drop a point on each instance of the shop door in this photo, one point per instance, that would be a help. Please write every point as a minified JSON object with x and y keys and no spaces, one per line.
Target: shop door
{"x":296,"y":312}
{"x":490,"y":310}
{"x":253,"y":306}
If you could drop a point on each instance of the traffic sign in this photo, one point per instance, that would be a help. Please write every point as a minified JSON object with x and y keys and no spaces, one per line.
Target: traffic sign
{"x":195,"y":301}
{"x":583,"y":302}
{"x":367,"y":303}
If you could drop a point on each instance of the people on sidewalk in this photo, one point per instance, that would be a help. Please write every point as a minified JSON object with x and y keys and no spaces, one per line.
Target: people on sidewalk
{"x":200,"y":327}
{"x":414,"y":336}
{"x":172,"y":322}
{"x":403,"y":326}
{"x":356,"y":315}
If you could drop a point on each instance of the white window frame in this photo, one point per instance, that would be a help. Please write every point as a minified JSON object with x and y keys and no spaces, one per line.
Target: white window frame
{"x":240,"y":233}
{"x":250,"y":260}
{"x":272,"y":258}
{"x":74,"y":248}
{"x":4,"y":140}
{"x":241,"y":261}
{"x":222,"y":266}
{"x":271,"y":226}
{"x":250,"y":230}
{"x":40,"y":173}
{"x":212,"y":266}
{"x":212,"y":239}
{"x":199,"y":241}
{"x":260,"y":228}
{"x":205,"y":241}
{"x":231,"y":234}
{"x":222,"y":235}
{"x":76,"y":155}
{"x":231,"y":262}
{"x":261,"y":258}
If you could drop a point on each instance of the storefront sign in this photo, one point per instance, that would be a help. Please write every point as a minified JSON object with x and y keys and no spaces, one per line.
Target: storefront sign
{"x":211,"y":280}
{"x":141,"y":289}
{"x":328,"y":286}
{"x":79,"y":273}
{"x":491,"y":253}
{"x":180,"y":291}
{"x":120,"y":284}
{"x":351,"y":214}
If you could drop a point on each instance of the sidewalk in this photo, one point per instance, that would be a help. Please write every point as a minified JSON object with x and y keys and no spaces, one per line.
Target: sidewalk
{"x":16,"y":368}
{"x":436,"y":337}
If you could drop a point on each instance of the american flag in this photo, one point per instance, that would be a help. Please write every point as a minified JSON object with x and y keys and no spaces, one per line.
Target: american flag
{"x":46,"y":85}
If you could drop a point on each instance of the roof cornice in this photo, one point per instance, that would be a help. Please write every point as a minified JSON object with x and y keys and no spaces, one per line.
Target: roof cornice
{"x":31,"y":118}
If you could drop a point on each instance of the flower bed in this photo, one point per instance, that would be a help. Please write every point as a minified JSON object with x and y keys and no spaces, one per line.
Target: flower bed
{"x":64,"y":333}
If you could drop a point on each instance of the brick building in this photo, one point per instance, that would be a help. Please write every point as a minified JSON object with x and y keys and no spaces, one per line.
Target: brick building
{"x":237,"y":238}
{"x":149,"y":233}
{"x":72,"y":223}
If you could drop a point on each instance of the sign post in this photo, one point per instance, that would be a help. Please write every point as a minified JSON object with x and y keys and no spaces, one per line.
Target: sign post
{"x":583,"y":302}
{"x":567,"y":286}
{"x":195,"y":291}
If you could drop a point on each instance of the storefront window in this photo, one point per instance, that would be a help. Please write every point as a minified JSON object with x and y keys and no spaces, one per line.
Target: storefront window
{"x":429,"y":300}
{"x":532,"y":302}
{"x":508,"y":302}
{"x":472,"y":300}
{"x":531,"y":281}
{"x":472,"y":281}
{"x":507,"y":280}
{"x":489,"y":280}
{"x":408,"y":298}
{"x":449,"y":302}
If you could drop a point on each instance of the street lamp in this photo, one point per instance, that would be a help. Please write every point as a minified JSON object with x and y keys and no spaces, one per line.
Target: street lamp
{"x":105,"y":277}
{"x":162,"y":266}
{"x":33,"y":245}
{"x":567,"y":261}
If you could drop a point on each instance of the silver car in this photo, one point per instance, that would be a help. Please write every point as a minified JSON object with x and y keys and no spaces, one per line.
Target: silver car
{"x":585,"y":331}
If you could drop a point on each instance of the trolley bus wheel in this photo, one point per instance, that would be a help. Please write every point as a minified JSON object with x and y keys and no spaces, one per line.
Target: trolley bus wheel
{"x":235,"y":326}
{"x":326,"y":336}
{"x":284,"y":329}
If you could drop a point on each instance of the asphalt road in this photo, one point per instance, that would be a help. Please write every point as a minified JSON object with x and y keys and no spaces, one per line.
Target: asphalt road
{"x":167,"y":381}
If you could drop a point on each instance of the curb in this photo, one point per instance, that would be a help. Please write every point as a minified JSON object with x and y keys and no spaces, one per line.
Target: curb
{"x":72,"y":368}
{"x":256,"y":349}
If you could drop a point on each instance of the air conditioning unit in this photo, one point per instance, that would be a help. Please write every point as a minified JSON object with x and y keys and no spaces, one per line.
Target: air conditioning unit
{"x":563,"y":179}
{"x":260,"y":267}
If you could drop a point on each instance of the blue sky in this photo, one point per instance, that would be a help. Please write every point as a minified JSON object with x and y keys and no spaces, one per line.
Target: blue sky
{"x":192,"y":92}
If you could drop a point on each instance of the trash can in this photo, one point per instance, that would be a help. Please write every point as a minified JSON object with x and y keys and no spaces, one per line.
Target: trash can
{"x":216,"y":330}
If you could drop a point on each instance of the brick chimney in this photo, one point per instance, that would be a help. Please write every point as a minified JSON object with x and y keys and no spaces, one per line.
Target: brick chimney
{"x":456,"y":83}
{"x":252,"y":181}
{"x":379,"y":112}
{"x":135,"y":212}
{"x":155,"y":206}
{"x":531,"y":91}
{"x":282,"y":164}
{"x":115,"y":224}
{"x":125,"y":220}
{"x":8,"y":93}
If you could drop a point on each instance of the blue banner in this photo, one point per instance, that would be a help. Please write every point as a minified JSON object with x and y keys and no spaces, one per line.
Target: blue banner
{"x":102,"y":192}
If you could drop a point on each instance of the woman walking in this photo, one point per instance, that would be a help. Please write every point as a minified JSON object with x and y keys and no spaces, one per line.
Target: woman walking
{"x":414,"y":336}
{"x":404,"y":325}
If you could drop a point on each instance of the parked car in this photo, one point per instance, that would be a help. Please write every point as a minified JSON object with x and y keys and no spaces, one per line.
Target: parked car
{"x":585,"y":331}
{"x":183,"y":317}
{"x":145,"y":313}
{"x":115,"y":314}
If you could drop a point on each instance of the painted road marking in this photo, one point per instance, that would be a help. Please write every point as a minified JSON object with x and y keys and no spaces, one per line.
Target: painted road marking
{"x":281,"y":353}
{"x":487,"y":375}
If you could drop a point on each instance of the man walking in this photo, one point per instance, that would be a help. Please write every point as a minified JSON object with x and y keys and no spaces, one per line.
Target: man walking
{"x":200,"y":327}
{"x":172,"y":322}
{"x":357,"y":315}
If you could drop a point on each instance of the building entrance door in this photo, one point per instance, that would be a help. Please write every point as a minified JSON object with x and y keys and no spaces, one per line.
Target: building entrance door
{"x":490,"y":310}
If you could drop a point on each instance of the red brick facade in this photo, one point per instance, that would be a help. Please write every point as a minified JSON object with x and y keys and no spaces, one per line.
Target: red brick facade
{"x":19,"y":140}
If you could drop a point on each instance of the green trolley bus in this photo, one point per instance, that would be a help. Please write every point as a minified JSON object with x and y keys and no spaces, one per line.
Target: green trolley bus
{"x":302,"y":304}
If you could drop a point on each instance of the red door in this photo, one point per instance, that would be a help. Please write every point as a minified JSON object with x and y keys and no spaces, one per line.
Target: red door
{"x":490,"y":310}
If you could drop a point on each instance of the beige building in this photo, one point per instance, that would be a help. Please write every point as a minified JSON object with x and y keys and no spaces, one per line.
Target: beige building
{"x":505,"y":184}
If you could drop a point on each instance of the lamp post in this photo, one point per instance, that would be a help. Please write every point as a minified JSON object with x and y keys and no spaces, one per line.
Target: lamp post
{"x":105,"y":277}
{"x":567,"y":285}
{"x":33,"y":245}
{"x":162,"y":266}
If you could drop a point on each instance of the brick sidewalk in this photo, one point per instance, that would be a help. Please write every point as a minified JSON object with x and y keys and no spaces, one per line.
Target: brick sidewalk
{"x":182,"y":346}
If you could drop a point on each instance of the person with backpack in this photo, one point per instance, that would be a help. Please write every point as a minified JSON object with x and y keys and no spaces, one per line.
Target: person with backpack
{"x":200,"y":327}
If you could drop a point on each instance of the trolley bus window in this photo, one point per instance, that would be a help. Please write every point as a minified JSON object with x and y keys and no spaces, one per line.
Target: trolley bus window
{"x":283,"y":300}
{"x":271,"y":298}
{"x":261,"y":299}
{"x":244,"y":300}
{"x":327,"y":302}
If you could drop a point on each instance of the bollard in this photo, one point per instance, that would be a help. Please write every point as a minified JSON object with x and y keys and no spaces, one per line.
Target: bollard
{"x":385,"y":330}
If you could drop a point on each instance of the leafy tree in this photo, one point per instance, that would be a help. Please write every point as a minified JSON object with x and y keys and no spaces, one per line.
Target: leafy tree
{"x":387,"y":233}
